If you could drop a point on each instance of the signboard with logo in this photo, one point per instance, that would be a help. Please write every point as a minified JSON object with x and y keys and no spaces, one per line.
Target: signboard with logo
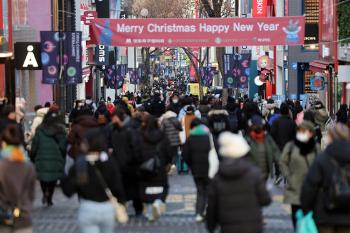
{"x":71,"y":57}
{"x":73,"y":52}
{"x":218,"y":32}
{"x":317,"y":83}
{"x":259,"y":8}
{"x":101,"y":55}
{"x":50,"y":53}
{"x":28,"y":56}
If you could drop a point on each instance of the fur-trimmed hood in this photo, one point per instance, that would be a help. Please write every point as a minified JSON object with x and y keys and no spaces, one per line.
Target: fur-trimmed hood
{"x":218,"y":112}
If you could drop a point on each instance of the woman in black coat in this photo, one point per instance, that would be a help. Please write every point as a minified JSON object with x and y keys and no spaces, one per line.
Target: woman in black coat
{"x":154,"y":185}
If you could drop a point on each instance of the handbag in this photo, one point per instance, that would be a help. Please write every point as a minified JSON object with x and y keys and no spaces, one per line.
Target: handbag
{"x":213,"y":159}
{"x":305,"y":223}
{"x":153,"y":165}
{"x":121,"y":215}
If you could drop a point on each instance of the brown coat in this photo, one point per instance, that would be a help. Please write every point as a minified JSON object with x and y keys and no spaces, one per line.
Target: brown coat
{"x":17,"y":188}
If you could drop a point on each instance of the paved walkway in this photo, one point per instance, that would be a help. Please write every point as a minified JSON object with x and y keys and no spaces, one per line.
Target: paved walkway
{"x":179,"y":218}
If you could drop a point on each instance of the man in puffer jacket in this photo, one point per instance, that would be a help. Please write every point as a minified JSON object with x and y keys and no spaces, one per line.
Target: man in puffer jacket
{"x":238,"y":192}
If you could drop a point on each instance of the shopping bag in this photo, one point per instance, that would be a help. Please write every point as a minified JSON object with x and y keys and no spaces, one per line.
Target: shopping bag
{"x":305,"y":223}
{"x":213,"y":159}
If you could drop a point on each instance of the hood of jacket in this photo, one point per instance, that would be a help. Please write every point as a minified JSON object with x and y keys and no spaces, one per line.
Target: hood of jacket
{"x":218,"y":112}
{"x":200,"y":130}
{"x":233,"y":168}
{"x":169,"y":114}
{"x":153,"y":136}
{"x":340,"y":150}
{"x":42,"y":112}
{"x":204,"y":109}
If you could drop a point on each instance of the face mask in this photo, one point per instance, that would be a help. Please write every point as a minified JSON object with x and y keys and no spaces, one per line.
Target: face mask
{"x":175,"y":101}
{"x":88,"y":101}
{"x":302,"y":137}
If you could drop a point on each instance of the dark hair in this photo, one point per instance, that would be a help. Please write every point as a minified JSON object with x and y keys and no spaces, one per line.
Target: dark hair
{"x":120,"y":113}
{"x":50,"y":119}
{"x":37,"y":107}
{"x":96,"y":140}
{"x":195,"y":122}
{"x":47,"y":105}
{"x":7,"y":109}
{"x":284,"y":109}
{"x":12,"y":135}
{"x":151,"y":123}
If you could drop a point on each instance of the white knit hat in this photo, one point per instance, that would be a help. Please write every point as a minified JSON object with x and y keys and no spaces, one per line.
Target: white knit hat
{"x":233,"y":145}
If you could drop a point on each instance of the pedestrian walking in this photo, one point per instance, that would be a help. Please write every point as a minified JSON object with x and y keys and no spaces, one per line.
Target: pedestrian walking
{"x":172,"y":128}
{"x":320,"y":114}
{"x":342,"y":114}
{"x":196,"y":154}
{"x":264,"y":152}
{"x":284,"y":128}
{"x":87,"y":177}
{"x":297,"y":157}
{"x":238,"y":192}
{"x":17,"y":182}
{"x":125,"y":152}
{"x":48,"y":154}
{"x":320,"y":192}
{"x":154,"y":149}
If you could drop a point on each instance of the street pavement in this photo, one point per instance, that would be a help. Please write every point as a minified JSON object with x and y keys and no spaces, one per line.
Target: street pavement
{"x":179,"y":218}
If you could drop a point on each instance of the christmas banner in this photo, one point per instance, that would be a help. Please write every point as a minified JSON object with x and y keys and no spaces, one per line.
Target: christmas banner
{"x":201,"y":32}
{"x":73,"y":58}
{"x":50,"y":56}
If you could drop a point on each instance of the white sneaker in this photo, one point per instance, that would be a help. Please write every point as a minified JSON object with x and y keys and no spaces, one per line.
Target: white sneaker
{"x":158,"y":208}
{"x":199,"y":218}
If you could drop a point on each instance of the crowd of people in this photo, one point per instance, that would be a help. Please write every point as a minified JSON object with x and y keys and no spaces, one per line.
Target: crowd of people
{"x":128,"y":148}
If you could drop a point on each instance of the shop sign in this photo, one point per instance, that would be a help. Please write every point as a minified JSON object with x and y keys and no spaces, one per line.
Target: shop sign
{"x":259,"y":8}
{"x":28,"y":56}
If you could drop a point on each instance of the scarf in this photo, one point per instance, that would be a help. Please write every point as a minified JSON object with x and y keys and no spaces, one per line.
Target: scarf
{"x":306,"y":148}
{"x":14,"y":153}
{"x":258,"y":137}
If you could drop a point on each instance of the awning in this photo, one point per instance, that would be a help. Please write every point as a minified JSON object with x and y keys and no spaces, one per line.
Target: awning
{"x":319,"y":65}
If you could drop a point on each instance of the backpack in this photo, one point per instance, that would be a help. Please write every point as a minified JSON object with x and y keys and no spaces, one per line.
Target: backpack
{"x":338,"y":193}
{"x":233,"y":120}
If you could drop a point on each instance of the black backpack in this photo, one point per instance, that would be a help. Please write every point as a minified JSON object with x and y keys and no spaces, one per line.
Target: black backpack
{"x":338,"y":194}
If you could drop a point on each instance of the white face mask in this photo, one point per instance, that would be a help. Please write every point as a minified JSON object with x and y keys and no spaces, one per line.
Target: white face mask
{"x":303,"y":137}
{"x":175,"y":101}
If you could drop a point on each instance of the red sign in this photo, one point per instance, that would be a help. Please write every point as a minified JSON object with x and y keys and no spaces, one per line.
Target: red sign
{"x":201,"y":32}
{"x":88,"y":17}
{"x":259,"y":8}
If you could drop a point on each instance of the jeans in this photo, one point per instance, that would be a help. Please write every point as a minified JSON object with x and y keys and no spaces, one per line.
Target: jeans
{"x":96,"y":217}
{"x":331,"y":229}
{"x":202,"y":194}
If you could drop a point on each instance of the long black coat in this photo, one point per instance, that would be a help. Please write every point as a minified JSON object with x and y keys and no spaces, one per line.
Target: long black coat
{"x":283,"y":130}
{"x":125,"y":153}
{"x":236,"y":196}
{"x":148,"y":144}
{"x":319,"y":179}
{"x":196,"y":154}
